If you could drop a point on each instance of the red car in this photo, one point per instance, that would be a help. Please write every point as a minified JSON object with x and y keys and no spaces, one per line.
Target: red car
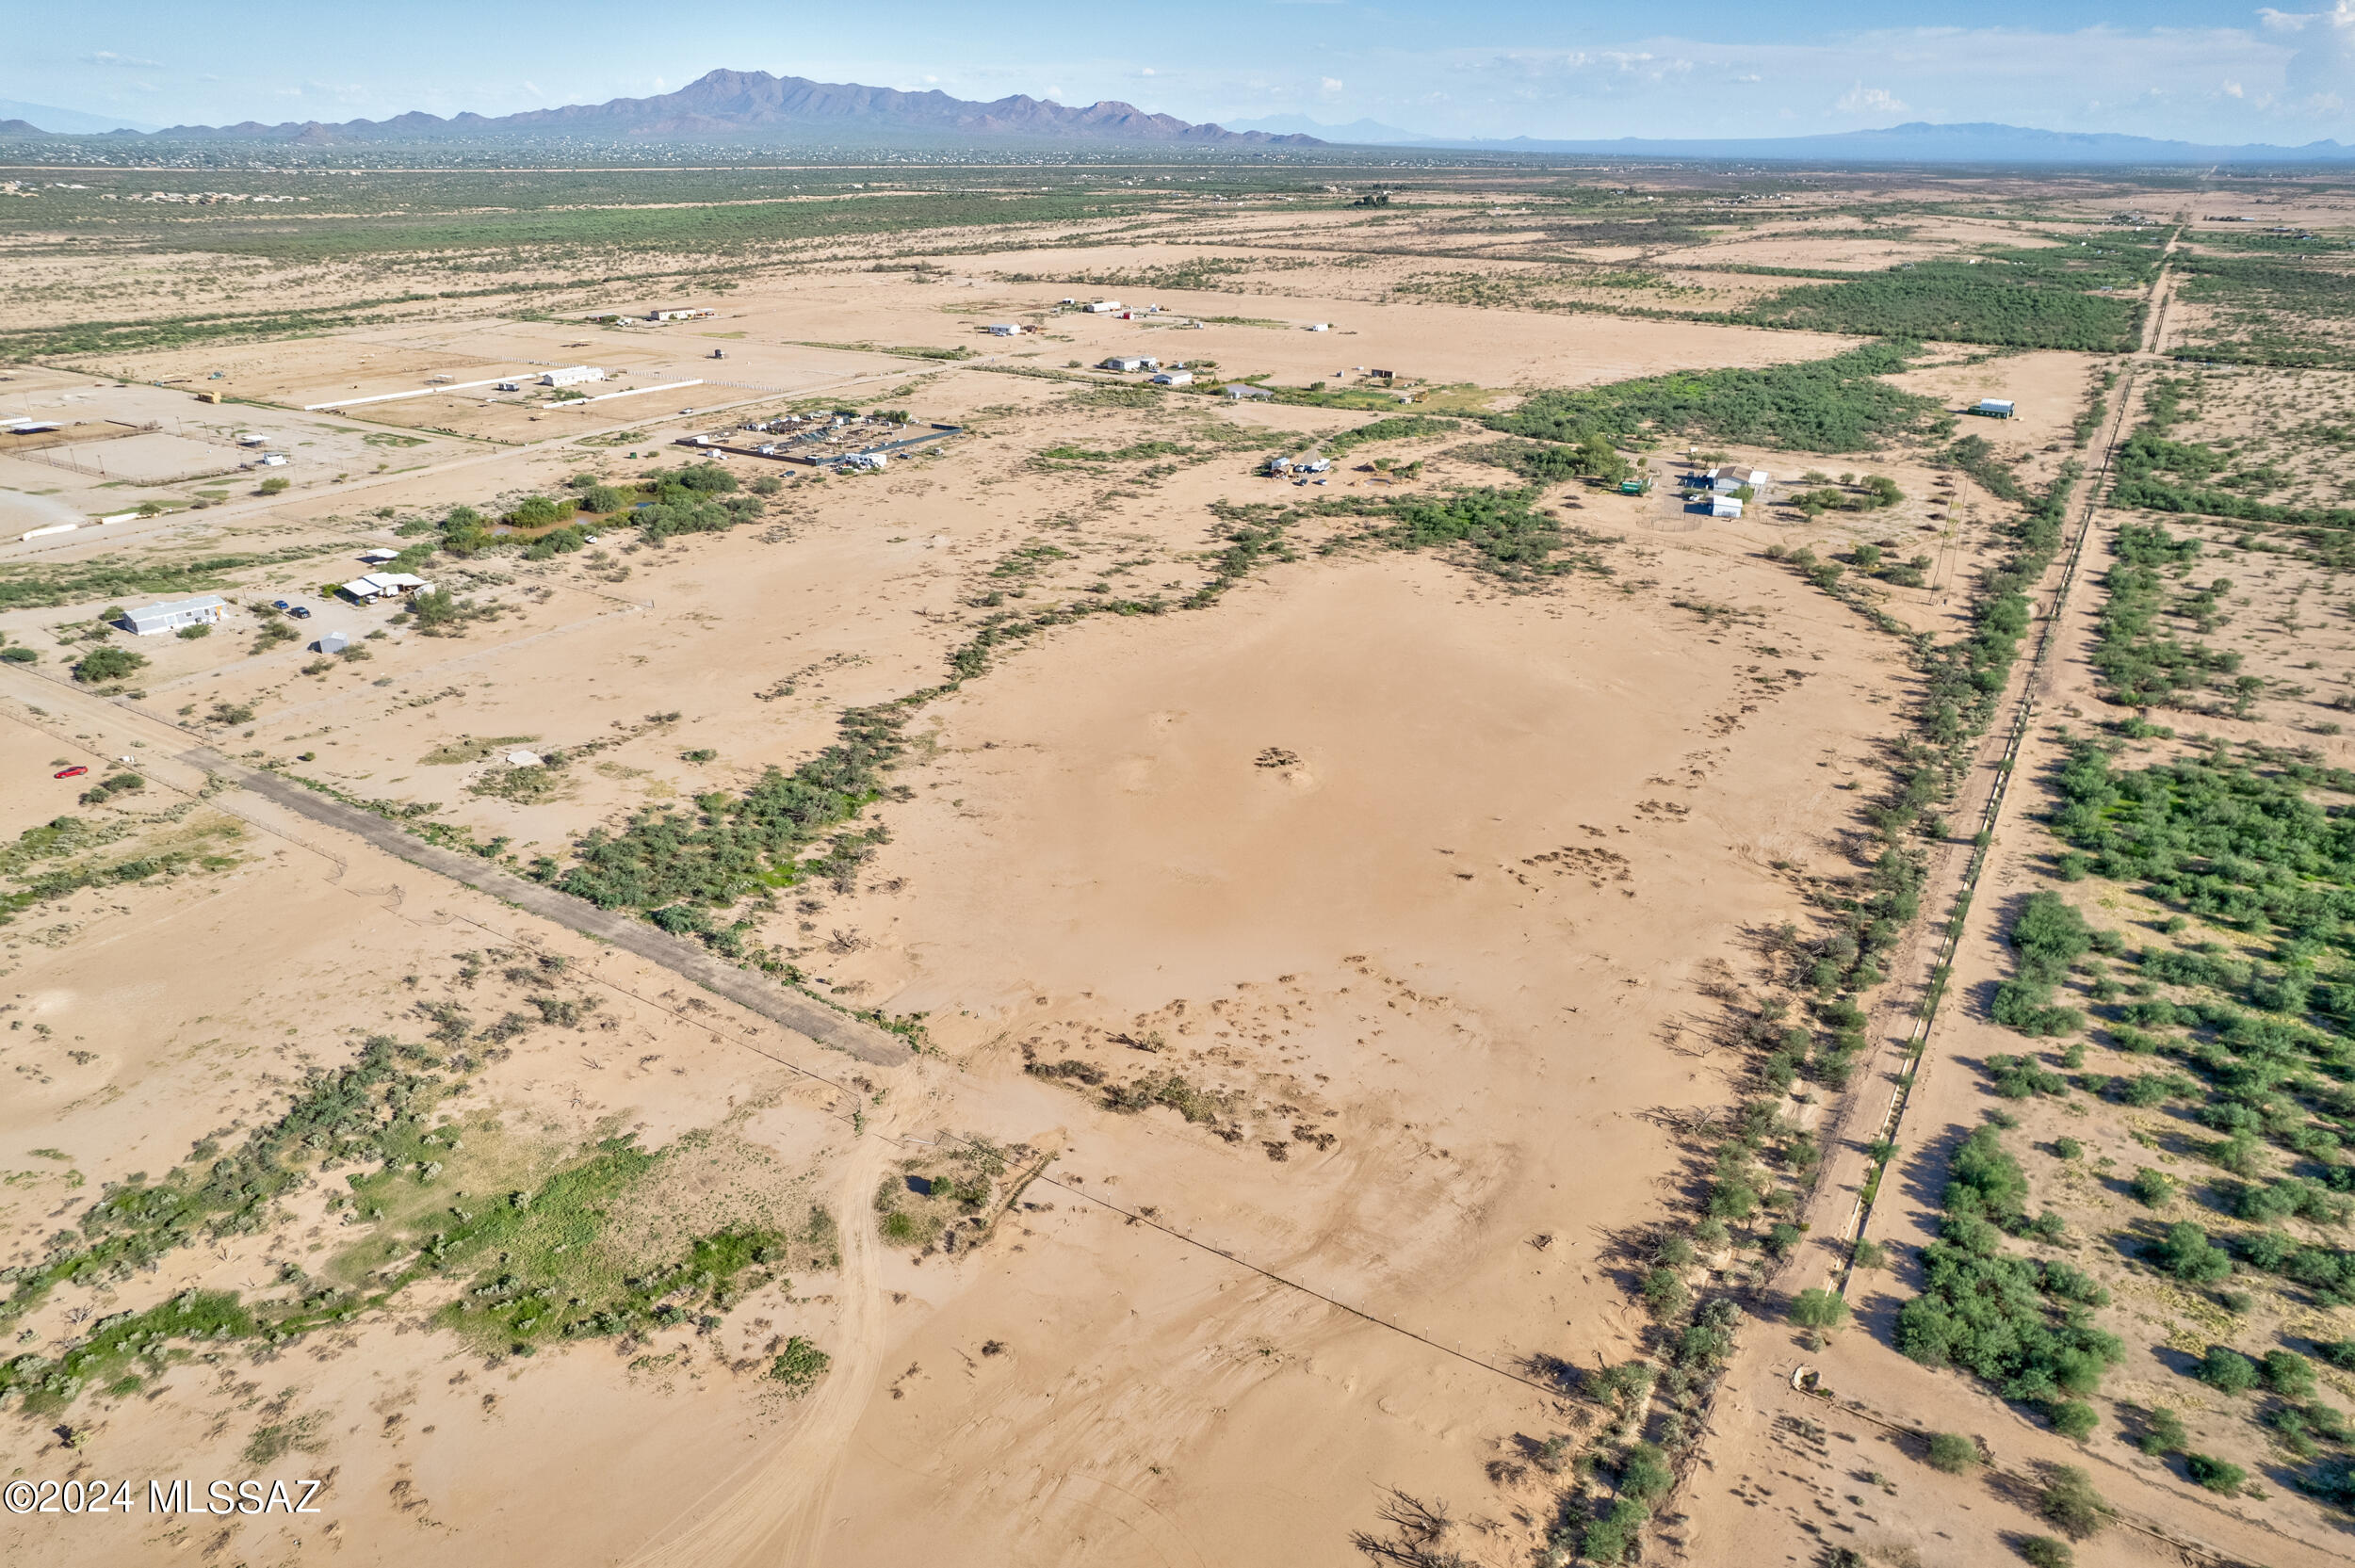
{"x":69,"y":774}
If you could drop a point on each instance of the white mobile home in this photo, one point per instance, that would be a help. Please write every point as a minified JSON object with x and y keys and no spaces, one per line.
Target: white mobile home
{"x":1173,"y":377}
{"x":572,"y":375}
{"x":1132,"y":362}
{"x":172,"y":614}
{"x":1004,"y":329}
{"x":1995,"y":407}
{"x":1101,"y":307}
{"x":1735,"y":478}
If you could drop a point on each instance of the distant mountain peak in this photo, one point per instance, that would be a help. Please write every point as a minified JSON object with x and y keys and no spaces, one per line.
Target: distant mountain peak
{"x":752,"y":104}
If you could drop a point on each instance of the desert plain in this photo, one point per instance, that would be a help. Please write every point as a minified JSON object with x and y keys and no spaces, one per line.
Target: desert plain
{"x":1309,"y":963}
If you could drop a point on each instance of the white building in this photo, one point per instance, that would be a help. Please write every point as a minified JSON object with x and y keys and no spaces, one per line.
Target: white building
{"x":697,"y":314}
{"x":869,"y":461}
{"x":378,"y":557}
{"x":1173,"y":377}
{"x":1130,"y":362}
{"x":1735,"y":478}
{"x":172,"y":614}
{"x":273,"y":459}
{"x":1004,"y":329}
{"x":1314,"y":465}
{"x":1995,"y":408}
{"x":572,"y":375}
{"x":1320,"y":326}
{"x":386,"y":585}
{"x":1101,"y":307}
{"x":334,"y":642}
{"x":1238,"y":391}
{"x":1724,"y":506}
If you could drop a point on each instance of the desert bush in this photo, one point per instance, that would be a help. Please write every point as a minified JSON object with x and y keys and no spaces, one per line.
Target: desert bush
{"x":2070,"y":1502}
{"x":2187,"y":1253}
{"x":1954,"y":1453}
{"x":2217,"y":1475}
{"x":2227,"y":1371}
{"x":1819,"y":1309}
{"x":108,"y":663}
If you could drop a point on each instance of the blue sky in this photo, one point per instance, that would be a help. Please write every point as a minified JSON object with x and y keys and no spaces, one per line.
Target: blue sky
{"x":2169,"y":68}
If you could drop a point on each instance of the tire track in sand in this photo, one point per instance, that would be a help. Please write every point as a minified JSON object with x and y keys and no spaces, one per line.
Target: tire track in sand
{"x":772,"y":1509}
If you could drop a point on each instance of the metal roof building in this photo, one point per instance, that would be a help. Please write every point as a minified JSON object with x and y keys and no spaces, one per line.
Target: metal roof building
{"x":172,"y":614}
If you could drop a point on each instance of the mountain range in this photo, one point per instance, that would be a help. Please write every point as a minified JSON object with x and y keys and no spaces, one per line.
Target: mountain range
{"x":1916,"y":141}
{"x":755,"y":105}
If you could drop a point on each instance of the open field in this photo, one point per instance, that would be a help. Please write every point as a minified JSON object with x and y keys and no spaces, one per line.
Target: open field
{"x":1364,"y":989}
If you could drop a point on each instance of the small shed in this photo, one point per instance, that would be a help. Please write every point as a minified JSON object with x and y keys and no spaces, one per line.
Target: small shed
{"x":1173,"y":377}
{"x":1724,"y":506}
{"x":334,"y":642}
{"x":1995,"y":407}
{"x":172,"y":614}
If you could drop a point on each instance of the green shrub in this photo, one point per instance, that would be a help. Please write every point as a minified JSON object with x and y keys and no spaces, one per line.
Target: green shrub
{"x":1611,"y":1538}
{"x":2070,"y":1503}
{"x":2187,"y":1253}
{"x":799,"y":1366}
{"x":108,"y":663}
{"x":1954,"y":1453}
{"x":1819,"y":1309}
{"x":20,"y":656}
{"x":2163,"y":1432}
{"x":2217,"y":1475}
{"x":2073,"y":1418}
{"x":2227,"y":1371}
{"x":2153,"y":1188}
{"x":2043,"y":1551}
{"x":2288,"y":1374}
{"x":1645,"y":1477}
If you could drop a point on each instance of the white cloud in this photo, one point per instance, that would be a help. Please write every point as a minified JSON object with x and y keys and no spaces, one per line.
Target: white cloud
{"x":2159,"y":81}
{"x":2323,"y":58}
{"x":1329,"y":85}
{"x":107,"y":56}
{"x":1861,"y":99}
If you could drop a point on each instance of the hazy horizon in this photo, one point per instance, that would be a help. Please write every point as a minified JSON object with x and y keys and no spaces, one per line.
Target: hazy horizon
{"x":2174,"y":69}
